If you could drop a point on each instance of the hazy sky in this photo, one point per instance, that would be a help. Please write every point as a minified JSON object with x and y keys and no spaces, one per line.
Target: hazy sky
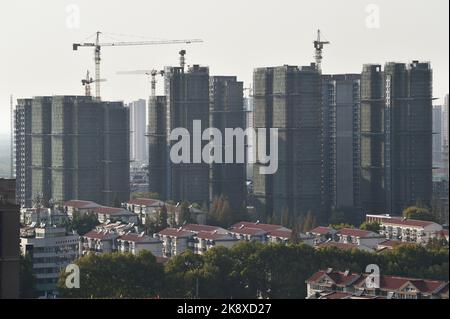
{"x":37,"y":36}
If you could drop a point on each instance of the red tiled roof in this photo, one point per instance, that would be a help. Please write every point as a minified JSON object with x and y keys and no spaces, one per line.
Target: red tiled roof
{"x":248,"y":231}
{"x":442,"y":233}
{"x":145,"y":202}
{"x":356,"y":232}
{"x":200,"y":228}
{"x":98,"y":235}
{"x":213,"y":236}
{"x":174,"y":232}
{"x":396,"y":283}
{"x":321,"y":230}
{"x":281,"y":233}
{"x":137,"y":238}
{"x":80,"y":203}
{"x":337,"y":295}
{"x":265,"y":227}
{"x":339,"y":278}
{"x":407,"y":222}
{"x":343,"y":246}
{"x":110,"y":210}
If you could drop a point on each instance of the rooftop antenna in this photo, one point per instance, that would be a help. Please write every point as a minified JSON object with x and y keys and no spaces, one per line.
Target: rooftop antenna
{"x":318,"y":45}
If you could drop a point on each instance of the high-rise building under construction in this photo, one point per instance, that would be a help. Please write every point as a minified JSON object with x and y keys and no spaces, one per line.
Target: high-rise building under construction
{"x":79,"y":150}
{"x":187,"y":100}
{"x":341,"y":117}
{"x":227,"y":112}
{"x":288,"y":98}
{"x":396,"y":136}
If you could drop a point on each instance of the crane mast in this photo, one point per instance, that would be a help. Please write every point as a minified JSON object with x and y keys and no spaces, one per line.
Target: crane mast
{"x":97,"y":52}
{"x":318,"y":45}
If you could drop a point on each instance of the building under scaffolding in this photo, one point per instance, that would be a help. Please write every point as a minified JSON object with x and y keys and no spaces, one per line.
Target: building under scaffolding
{"x":341,"y":115}
{"x":289,"y":98}
{"x":187,"y":99}
{"x":227,"y":111}
{"x":79,"y":148}
{"x":396,"y":136}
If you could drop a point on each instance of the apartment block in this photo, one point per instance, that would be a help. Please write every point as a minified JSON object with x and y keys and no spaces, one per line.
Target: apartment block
{"x":288,"y":98}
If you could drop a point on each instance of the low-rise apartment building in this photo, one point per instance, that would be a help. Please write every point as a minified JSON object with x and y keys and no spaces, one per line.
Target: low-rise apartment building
{"x":350,"y":285}
{"x":135,"y":243}
{"x":359,"y":237}
{"x":407,"y":230}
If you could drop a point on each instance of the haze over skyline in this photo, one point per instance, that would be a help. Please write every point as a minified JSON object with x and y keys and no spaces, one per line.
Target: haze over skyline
{"x":37,"y":57}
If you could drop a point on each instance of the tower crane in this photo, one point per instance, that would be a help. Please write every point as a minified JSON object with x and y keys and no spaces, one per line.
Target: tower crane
{"x":318,"y":45}
{"x":97,"y":45}
{"x":152,"y":73}
{"x":86,"y":82}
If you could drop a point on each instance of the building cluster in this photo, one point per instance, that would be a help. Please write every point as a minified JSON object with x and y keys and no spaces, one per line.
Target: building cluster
{"x":331,"y":284}
{"x":71,"y":147}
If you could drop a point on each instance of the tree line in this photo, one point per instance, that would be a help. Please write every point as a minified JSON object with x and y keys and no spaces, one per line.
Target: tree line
{"x":247,"y":270}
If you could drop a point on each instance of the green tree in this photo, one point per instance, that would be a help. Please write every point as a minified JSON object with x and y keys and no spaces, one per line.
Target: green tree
{"x":185,"y":214}
{"x":27,"y":279}
{"x":341,"y":225}
{"x":82,"y":223}
{"x":310,"y":222}
{"x":374,"y":226}
{"x":419,"y":213}
{"x":116,"y":275}
{"x":148,"y":195}
{"x":162,"y":218}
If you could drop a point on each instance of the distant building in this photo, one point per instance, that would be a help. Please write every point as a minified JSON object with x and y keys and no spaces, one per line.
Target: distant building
{"x":51,"y":249}
{"x":445,"y":137}
{"x":437,"y":139}
{"x":248,"y":107}
{"x":396,"y":136}
{"x":22,"y":141}
{"x":359,"y":237}
{"x":138,"y":142}
{"x":9,"y":240}
{"x":330,"y":284}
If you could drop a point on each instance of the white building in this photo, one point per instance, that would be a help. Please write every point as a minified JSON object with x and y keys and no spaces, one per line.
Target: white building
{"x":407,"y":230}
{"x":51,"y":250}
{"x":98,"y":241}
{"x":37,"y":216}
{"x":138,"y":145}
{"x":134,"y":243}
{"x":78,"y":206}
{"x":359,"y":237}
{"x":115,"y":214}
{"x":174,"y":241}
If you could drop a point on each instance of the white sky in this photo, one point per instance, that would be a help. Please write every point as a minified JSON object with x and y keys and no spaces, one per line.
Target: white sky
{"x":37,"y":58}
